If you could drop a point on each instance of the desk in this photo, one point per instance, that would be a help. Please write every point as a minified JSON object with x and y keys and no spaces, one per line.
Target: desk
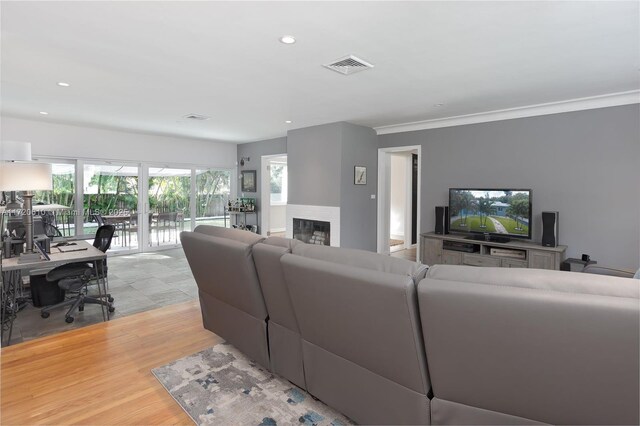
{"x":12,"y":277}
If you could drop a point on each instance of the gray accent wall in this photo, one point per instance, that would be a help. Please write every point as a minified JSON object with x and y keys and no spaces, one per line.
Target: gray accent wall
{"x":313,"y":161}
{"x":584,"y":164}
{"x":255,"y":151}
{"x":358,"y":212}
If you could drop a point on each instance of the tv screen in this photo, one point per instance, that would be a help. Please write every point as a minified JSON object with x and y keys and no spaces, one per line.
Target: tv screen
{"x":500,"y":212}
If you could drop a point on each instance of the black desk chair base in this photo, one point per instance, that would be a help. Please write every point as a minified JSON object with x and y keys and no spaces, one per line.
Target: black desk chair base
{"x":78,"y":303}
{"x":74,"y":278}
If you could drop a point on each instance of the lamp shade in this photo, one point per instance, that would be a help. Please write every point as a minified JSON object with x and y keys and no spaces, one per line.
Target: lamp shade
{"x":15,"y":151}
{"x":25,"y":176}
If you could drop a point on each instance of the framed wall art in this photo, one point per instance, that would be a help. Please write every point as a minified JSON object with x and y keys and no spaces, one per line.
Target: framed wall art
{"x":360,"y":175}
{"x":248,"y":183}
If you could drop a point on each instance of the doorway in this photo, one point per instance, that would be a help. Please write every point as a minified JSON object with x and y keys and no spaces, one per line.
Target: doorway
{"x":274,"y":192}
{"x":399,"y":171}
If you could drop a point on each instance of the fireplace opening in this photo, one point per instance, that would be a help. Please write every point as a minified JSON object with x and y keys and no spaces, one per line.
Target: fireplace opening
{"x":312,"y":231}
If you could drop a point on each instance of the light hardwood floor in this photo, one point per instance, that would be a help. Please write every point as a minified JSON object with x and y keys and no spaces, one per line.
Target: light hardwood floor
{"x":409,"y":254}
{"x":101,"y":374}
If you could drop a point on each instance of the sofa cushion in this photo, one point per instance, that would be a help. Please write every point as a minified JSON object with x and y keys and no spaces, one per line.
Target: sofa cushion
{"x":229,"y":233}
{"x":362,"y":259}
{"x":287,"y":243}
{"x":567,"y":282}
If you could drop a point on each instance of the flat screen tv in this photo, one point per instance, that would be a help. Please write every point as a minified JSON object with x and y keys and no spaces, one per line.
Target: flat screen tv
{"x":498,"y":214}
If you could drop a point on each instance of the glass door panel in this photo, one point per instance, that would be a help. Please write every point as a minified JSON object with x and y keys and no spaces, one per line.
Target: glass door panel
{"x":213,"y":188}
{"x":111,"y":197}
{"x":169,"y":204}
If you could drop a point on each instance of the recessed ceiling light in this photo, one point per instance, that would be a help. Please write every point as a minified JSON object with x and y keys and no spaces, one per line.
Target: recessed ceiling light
{"x":44,"y":113}
{"x":287,"y":39}
{"x":63,"y":84}
{"x":438,"y":105}
{"x":288,"y":121}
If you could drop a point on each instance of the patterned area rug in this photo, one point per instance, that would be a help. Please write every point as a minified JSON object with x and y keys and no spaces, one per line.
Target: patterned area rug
{"x":222,"y":386}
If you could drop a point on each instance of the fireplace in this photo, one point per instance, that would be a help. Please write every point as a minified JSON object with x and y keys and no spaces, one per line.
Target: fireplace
{"x":322,"y":214}
{"x":312,"y":231}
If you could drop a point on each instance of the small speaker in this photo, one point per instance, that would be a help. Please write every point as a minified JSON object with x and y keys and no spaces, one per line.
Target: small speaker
{"x":550,"y":229}
{"x":442,"y":220}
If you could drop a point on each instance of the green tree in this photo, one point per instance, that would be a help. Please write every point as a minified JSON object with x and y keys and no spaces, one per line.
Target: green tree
{"x":212,"y":190}
{"x":518,"y":209}
{"x":276,"y":178}
{"x":485,"y":208}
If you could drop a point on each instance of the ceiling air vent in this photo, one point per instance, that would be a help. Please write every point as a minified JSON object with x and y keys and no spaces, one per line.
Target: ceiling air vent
{"x":348,"y":65}
{"x":197,"y":117}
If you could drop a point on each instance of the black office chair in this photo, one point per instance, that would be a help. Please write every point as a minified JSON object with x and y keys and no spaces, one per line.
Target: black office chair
{"x":74,"y":277}
{"x":97,"y":217}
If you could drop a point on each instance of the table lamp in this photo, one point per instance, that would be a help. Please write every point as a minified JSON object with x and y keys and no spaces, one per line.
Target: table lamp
{"x":26,"y":177}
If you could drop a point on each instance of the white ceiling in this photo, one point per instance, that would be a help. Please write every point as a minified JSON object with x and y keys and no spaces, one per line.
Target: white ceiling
{"x":143,"y":65}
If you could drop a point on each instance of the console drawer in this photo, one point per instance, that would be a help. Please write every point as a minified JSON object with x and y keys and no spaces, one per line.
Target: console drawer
{"x":478,"y":260}
{"x":514,"y":263}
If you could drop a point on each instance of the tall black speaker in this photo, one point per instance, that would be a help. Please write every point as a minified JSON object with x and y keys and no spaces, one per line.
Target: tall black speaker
{"x":550,"y":229}
{"x":442,"y":220}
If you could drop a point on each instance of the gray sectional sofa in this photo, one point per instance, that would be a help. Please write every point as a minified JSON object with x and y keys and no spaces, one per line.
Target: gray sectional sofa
{"x":385,"y":341}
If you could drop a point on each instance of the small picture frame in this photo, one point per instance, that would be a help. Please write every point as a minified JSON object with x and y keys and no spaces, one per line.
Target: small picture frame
{"x":359,"y":175}
{"x":248,"y":183}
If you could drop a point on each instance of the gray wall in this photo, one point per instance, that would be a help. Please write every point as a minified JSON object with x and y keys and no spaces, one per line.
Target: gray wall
{"x":313,"y":161}
{"x":255,"y":151}
{"x":584,"y":164}
{"x":358,"y":212}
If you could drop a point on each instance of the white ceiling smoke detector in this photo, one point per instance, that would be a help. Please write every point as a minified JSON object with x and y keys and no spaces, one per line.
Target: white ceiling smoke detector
{"x":197,"y":117}
{"x":348,"y":65}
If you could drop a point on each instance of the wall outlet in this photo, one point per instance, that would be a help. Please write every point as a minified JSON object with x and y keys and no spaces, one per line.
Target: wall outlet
{"x":373,"y":196}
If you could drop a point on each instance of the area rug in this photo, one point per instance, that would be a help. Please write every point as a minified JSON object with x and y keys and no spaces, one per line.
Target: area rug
{"x":393,"y":242}
{"x":221,"y":386}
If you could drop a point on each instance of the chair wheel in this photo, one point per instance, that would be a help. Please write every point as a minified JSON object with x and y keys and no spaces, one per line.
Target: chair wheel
{"x":112,"y":309}
{"x":69,"y":319}
{"x":80,"y":308}
{"x":44,"y":314}
{"x":110,"y":299}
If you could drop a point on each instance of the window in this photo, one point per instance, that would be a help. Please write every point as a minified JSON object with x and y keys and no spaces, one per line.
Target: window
{"x":169,"y":201}
{"x":111,"y":196}
{"x":213,"y":188}
{"x":279,"y":185}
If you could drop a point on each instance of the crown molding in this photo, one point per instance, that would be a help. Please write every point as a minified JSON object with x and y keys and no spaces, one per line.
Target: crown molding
{"x":593,"y":102}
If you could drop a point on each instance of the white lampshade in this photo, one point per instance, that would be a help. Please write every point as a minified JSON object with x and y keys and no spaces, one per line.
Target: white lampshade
{"x":25,"y":176}
{"x":15,"y":151}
